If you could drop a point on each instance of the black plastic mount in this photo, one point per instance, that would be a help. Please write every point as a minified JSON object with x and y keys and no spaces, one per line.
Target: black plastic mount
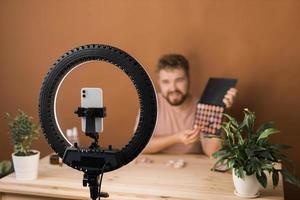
{"x":94,"y":166}
{"x":90,"y":115}
{"x":91,"y":159}
{"x":91,"y":112}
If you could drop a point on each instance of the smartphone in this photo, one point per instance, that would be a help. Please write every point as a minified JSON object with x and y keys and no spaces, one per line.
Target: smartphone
{"x":92,"y":98}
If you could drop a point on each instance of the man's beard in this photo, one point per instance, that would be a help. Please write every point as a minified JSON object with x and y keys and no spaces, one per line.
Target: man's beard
{"x":177,"y":101}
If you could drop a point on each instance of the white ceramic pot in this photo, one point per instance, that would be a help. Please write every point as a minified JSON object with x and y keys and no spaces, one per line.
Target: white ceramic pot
{"x":26,"y":167}
{"x":247,"y":187}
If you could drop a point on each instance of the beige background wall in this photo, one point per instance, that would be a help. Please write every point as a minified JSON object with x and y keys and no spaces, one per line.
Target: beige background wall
{"x":256,"y":41}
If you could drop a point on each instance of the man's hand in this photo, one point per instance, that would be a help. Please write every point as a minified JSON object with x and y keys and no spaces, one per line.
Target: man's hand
{"x":187,"y":137}
{"x":229,"y":97}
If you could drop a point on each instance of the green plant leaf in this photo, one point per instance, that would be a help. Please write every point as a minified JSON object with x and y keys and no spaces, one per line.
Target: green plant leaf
{"x":267,"y":155}
{"x":230,"y":164}
{"x":266,"y":133}
{"x":243,"y":124}
{"x":249,"y":117}
{"x":280,"y":146}
{"x":232,"y":120}
{"x":262,"y":179}
{"x":219,"y":153}
{"x":275,"y":178}
{"x":265,"y":126}
{"x":226,"y":128}
{"x":240,"y":172}
{"x":283,"y":159}
{"x":288,"y":177}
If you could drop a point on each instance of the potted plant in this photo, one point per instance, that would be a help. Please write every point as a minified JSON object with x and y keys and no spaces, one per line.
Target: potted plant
{"x":250,"y":155}
{"x":23,"y":131}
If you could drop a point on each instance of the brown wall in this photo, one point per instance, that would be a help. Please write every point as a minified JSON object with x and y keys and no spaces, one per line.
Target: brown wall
{"x":255,"y":41}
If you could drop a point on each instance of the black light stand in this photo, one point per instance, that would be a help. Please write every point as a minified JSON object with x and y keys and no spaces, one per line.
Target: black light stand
{"x":94,"y":161}
{"x":93,"y":178}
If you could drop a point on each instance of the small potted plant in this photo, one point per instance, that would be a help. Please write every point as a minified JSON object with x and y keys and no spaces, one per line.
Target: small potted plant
{"x":250,"y":155}
{"x":23,"y":131}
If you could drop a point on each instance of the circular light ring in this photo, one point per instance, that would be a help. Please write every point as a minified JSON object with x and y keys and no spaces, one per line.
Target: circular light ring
{"x":142,"y":82}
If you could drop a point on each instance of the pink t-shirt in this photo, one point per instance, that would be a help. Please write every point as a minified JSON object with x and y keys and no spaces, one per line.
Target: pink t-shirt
{"x":170,"y":121}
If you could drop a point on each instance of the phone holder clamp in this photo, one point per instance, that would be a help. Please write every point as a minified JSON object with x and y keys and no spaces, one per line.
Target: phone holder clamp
{"x":91,"y":114}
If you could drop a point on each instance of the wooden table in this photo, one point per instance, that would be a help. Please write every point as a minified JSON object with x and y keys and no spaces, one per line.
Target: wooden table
{"x":135,"y":181}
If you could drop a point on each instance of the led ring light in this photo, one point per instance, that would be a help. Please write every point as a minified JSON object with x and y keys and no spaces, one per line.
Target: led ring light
{"x":113,"y":159}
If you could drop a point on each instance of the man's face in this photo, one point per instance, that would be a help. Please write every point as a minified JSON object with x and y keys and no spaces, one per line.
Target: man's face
{"x":174,"y":84}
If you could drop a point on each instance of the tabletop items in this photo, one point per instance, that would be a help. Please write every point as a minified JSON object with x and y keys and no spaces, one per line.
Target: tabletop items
{"x":143,"y":159}
{"x":177,"y":164}
{"x":174,"y":163}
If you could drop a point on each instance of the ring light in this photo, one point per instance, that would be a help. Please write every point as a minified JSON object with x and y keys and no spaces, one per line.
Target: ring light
{"x":97,"y":160}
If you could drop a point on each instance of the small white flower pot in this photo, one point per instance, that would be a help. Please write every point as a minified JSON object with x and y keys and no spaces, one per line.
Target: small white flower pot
{"x":26,"y":167}
{"x":247,"y":187}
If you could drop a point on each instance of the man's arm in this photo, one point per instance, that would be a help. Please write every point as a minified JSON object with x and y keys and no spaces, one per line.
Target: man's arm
{"x":159,"y":143}
{"x":210,"y":145}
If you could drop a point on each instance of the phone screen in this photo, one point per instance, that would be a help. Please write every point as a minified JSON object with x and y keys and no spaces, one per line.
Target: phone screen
{"x":92,"y":98}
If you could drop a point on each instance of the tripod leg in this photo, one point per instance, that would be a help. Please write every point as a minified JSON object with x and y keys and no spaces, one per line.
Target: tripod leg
{"x":92,"y":180}
{"x":94,"y":192}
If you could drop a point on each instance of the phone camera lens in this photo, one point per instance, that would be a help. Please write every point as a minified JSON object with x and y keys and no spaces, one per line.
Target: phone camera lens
{"x":83,"y":95}
{"x":83,"y":91}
